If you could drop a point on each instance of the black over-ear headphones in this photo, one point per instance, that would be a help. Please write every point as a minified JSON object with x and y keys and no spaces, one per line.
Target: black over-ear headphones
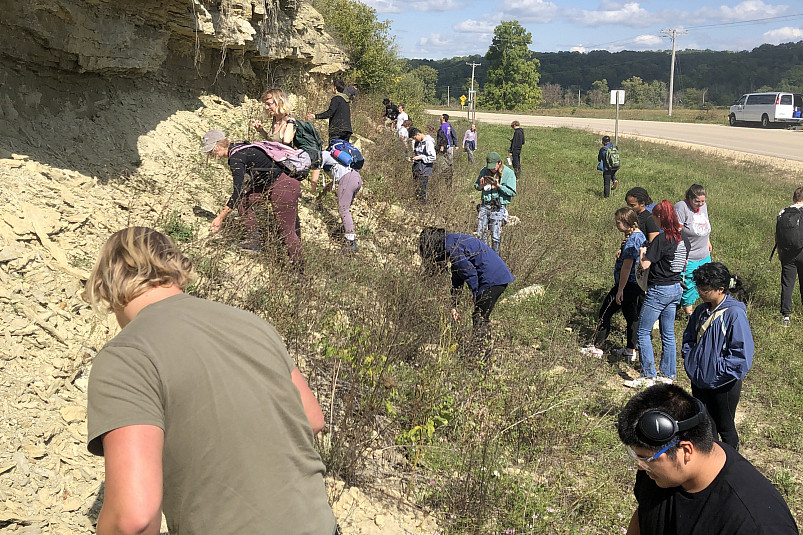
{"x":657,"y":427}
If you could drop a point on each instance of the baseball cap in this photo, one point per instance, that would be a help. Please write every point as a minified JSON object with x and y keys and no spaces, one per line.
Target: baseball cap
{"x":493,"y":158}
{"x":210,"y":139}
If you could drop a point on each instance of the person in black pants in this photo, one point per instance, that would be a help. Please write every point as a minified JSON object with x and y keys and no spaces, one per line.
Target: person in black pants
{"x":718,"y":348}
{"x":608,"y":173}
{"x":791,"y":263}
{"x":339,"y":115}
{"x":516,"y":143}
{"x":626,"y":295}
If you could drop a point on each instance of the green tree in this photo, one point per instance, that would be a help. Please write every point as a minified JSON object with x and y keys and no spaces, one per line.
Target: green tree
{"x":429,"y":81}
{"x":599,"y":93}
{"x":513,"y":71}
{"x":373,"y":61}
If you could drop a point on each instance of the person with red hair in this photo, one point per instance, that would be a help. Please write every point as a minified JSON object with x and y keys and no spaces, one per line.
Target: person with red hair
{"x":665,"y":258}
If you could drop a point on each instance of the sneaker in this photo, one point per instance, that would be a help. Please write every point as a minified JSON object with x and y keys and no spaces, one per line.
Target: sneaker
{"x":627,"y":354}
{"x":351,"y":245}
{"x":614,"y":185}
{"x":785,"y":321}
{"x":664,"y":380}
{"x":591,"y":351}
{"x":641,"y":382}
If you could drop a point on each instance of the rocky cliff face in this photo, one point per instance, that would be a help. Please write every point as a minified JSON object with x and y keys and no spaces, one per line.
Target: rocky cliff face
{"x":67,"y":67}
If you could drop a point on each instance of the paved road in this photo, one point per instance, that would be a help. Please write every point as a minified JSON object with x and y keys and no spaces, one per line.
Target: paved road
{"x":773,"y":142}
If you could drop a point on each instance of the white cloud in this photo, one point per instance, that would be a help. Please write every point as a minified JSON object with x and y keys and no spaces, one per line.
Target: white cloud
{"x":437,"y":45}
{"x":783,"y":35}
{"x":475,"y":26}
{"x":630,"y":14}
{"x":397,"y":6}
{"x":647,"y":40}
{"x":580,"y":49}
{"x":529,"y":10}
{"x":747,"y":10}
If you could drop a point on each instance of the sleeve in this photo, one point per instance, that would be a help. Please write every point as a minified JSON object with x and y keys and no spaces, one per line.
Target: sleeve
{"x":463,"y":143}
{"x":681,"y":212}
{"x":328,"y":113}
{"x":508,"y":184}
{"x":689,"y":340}
{"x":428,"y":156}
{"x":601,"y":154}
{"x":124,"y":389}
{"x":739,"y":348}
{"x":463,"y":271}
{"x":630,"y":250}
{"x":237,"y":166}
{"x":453,"y":136}
{"x":654,"y":249}
{"x":651,"y":225}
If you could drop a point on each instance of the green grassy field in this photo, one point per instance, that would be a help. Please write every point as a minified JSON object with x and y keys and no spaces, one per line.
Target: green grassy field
{"x":524,"y":443}
{"x":679,"y":115}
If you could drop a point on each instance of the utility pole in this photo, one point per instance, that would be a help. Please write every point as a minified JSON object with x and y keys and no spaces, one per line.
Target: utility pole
{"x":471,"y":94}
{"x":673,"y":33}
{"x":447,"y":96}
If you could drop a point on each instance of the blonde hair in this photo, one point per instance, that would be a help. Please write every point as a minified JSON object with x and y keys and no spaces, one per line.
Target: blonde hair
{"x":282,"y":102}
{"x":131,"y":262}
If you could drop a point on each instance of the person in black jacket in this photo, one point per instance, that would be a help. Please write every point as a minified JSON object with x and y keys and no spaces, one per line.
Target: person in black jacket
{"x":339,"y":113}
{"x":516,"y":143}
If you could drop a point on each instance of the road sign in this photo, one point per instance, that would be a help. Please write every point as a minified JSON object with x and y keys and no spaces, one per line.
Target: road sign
{"x":618,"y":96}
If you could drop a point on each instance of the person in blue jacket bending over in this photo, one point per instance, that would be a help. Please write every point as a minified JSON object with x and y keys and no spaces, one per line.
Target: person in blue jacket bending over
{"x":472,"y":263}
{"x":718,"y":348}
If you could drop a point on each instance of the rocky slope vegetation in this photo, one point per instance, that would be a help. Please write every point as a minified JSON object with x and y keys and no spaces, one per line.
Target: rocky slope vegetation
{"x":102,"y":105}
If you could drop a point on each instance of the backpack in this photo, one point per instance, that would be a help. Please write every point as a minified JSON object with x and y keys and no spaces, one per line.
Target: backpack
{"x":612,"y":157}
{"x":339,"y":145}
{"x":788,"y":231}
{"x":392,"y":111}
{"x":295,"y":161}
{"x":308,"y":140}
{"x":452,"y":137}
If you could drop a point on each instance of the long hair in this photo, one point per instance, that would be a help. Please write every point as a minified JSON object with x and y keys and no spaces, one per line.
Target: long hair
{"x":131,"y":262}
{"x":280,"y":98}
{"x":668,"y":220}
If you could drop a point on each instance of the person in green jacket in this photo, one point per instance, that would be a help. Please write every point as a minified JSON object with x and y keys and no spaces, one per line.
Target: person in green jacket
{"x":497,"y":184}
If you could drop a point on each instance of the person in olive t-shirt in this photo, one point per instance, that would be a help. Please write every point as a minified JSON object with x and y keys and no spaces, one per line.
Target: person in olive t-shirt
{"x":687,"y":483}
{"x":197,"y":407}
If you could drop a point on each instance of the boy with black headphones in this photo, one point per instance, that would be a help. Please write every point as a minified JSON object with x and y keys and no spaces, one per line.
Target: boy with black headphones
{"x":688,"y":484}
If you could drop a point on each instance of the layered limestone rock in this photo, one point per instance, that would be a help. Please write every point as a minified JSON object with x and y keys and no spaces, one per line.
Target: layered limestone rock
{"x":71,"y":69}
{"x":118,"y":37}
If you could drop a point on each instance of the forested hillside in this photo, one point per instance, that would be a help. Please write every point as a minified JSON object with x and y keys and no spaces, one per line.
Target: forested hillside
{"x":725,"y":75}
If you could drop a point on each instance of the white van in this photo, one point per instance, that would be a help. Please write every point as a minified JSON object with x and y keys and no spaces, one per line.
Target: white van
{"x":767,"y":108}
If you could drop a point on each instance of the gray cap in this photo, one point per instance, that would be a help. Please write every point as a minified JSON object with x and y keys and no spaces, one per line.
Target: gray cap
{"x":211,"y":139}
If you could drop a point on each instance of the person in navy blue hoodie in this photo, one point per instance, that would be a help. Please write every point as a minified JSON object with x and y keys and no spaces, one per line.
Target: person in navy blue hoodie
{"x":472,"y":263}
{"x":718,"y":348}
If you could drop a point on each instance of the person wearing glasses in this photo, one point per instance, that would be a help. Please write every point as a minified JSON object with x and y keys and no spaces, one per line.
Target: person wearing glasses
{"x":718,"y":348}
{"x":687,"y":483}
{"x":693,"y":217}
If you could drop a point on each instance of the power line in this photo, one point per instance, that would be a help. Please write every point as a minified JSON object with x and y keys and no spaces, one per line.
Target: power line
{"x":719,"y":24}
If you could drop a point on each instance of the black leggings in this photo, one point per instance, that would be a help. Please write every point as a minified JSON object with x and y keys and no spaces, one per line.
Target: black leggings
{"x":485,"y":304}
{"x":632,"y":298}
{"x":721,"y":405}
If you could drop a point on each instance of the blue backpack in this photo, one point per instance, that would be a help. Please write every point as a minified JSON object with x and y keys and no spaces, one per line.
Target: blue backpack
{"x":342,"y":146}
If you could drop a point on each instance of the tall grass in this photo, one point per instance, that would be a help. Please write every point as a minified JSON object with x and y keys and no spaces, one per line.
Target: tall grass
{"x":525,"y":441}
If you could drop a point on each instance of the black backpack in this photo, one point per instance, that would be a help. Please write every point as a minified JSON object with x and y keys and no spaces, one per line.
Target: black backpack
{"x":789,"y":230}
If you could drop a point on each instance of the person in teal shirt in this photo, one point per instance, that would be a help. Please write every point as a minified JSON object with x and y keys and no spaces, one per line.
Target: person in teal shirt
{"x":497,"y":184}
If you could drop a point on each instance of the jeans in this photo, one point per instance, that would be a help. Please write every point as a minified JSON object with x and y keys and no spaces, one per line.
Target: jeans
{"x":490,"y":219}
{"x":659,"y":304}
{"x":347,"y":188}
{"x":721,"y":406}
{"x":469,"y":148}
{"x":791,"y":268}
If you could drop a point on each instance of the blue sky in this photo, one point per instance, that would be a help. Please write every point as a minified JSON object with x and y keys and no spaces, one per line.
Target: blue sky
{"x":438,"y":29}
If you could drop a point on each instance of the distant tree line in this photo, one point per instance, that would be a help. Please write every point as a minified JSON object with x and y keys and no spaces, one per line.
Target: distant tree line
{"x":702,"y":77}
